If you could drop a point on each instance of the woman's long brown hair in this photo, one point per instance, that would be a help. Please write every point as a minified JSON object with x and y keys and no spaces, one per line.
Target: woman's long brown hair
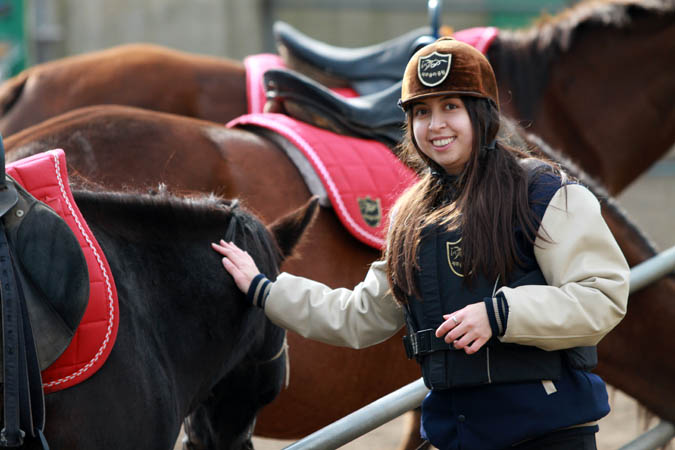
{"x":491,"y":202}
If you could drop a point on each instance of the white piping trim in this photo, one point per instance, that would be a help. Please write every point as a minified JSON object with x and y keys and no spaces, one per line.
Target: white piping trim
{"x":111,"y":300}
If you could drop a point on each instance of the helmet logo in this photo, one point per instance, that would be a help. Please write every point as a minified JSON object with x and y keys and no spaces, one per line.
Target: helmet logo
{"x":433,"y":69}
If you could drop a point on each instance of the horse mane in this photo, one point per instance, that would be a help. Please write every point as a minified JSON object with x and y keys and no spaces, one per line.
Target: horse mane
{"x":130,"y":214}
{"x":525,"y":55}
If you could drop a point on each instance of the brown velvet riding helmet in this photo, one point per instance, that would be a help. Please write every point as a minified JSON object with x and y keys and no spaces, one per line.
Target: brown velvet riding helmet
{"x":448,"y":66}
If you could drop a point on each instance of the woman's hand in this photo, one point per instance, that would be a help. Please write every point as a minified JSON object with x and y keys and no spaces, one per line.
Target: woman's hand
{"x":238,"y":263}
{"x":469,"y":328}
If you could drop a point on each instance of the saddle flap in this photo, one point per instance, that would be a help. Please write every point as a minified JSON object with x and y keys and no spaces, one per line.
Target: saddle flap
{"x":52,"y":270}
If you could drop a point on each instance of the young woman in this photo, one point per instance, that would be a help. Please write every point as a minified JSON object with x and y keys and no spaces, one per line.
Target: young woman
{"x":503,"y":270}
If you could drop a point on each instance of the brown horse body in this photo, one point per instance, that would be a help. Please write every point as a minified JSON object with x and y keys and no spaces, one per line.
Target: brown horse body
{"x":142,"y":75}
{"x":120,"y":146}
{"x":594,"y":82}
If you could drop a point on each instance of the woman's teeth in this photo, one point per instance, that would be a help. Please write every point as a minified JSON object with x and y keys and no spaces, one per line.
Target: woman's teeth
{"x":442,"y":142}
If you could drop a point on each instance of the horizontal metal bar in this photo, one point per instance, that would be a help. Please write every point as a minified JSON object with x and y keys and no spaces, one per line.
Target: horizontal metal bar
{"x":658,"y":436}
{"x":663,"y":168}
{"x":652,"y":269}
{"x":365,"y":419}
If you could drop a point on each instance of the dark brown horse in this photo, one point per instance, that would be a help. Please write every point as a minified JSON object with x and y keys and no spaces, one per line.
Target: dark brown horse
{"x":185,"y":334}
{"x":118,"y":146}
{"x":595,"y":81}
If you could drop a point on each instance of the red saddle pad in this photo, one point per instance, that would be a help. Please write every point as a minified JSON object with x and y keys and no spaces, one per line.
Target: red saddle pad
{"x":362,"y":177}
{"x":44,"y":176}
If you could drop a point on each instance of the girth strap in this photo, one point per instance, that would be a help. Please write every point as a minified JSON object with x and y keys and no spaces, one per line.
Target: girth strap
{"x":423,"y":342}
{"x":23,"y":395}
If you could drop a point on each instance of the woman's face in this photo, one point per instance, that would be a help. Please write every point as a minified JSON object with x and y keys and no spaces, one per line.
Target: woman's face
{"x":443,"y":131}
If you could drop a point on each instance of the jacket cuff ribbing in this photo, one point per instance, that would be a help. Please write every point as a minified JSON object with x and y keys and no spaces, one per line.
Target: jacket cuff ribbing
{"x":259,"y":290}
{"x":498,"y":313}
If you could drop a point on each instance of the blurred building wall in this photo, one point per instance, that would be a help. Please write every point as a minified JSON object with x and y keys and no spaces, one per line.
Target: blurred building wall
{"x":236,"y":28}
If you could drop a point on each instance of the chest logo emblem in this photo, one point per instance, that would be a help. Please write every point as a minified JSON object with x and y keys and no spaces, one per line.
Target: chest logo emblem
{"x":454,"y":251}
{"x":371,"y":210}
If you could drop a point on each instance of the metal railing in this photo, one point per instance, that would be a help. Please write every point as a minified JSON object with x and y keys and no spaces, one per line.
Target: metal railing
{"x":410,"y":396}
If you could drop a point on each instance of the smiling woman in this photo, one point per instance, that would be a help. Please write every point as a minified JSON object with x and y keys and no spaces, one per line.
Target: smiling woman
{"x":485,"y":254}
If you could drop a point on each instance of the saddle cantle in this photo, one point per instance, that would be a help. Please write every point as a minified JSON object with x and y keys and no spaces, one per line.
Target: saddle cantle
{"x":374,"y":116}
{"x":52,"y":271}
{"x":367,"y":69}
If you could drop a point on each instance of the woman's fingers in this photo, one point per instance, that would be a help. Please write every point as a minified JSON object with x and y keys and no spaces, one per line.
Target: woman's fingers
{"x":467,"y":329}
{"x":238,"y":263}
{"x":475,"y":346}
{"x":219,"y":248}
{"x":451,"y":322}
{"x":232,"y":252}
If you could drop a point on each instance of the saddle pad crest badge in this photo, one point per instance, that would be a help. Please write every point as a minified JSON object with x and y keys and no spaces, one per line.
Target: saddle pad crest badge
{"x":433,"y":69}
{"x":371,"y":210}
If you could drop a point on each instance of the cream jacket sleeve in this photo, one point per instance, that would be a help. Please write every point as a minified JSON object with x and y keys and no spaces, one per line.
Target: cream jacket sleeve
{"x":354,"y":318}
{"x":587,"y":278}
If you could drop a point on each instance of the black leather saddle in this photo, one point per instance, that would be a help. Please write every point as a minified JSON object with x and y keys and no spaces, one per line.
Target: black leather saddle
{"x":51,"y":269}
{"x":376,"y":116}
{"x":367,"y":70}
{"x":44,"y":286}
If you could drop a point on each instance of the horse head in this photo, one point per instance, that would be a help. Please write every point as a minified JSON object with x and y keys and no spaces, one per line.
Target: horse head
{"x":257,"y":377}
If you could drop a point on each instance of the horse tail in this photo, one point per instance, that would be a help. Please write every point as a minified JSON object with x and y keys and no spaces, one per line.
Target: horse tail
{"x":11,"y":90}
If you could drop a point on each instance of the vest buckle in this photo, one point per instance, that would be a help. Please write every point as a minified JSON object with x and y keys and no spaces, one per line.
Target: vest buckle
{"x":423,"y":342}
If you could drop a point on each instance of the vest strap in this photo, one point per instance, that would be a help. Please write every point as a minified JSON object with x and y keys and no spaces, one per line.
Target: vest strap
{"x":424,"y":342}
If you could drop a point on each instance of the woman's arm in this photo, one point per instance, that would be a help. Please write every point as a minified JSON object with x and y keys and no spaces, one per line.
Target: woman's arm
{"x":587,"y":278}
{"x":354,"y":318}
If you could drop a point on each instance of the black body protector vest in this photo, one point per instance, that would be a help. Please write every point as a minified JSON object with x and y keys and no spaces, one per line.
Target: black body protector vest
{"x":440,"y":283}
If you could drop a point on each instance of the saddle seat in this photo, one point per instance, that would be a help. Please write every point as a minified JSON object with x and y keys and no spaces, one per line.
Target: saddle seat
{"x":375,"y":116}
{"x":366,"y":69}
{"x":51,"y":269}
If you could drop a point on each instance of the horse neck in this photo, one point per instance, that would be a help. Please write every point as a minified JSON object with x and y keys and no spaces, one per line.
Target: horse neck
{"x":524,"y":60}
{"x":597,"y":90}
{"x":179,"y":304}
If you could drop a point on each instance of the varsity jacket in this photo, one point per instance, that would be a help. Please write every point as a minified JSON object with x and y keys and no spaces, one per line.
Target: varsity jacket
{"x":585,"y":295}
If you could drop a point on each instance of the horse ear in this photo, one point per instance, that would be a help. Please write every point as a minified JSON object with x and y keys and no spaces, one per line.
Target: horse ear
{"x":288,"y":229}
